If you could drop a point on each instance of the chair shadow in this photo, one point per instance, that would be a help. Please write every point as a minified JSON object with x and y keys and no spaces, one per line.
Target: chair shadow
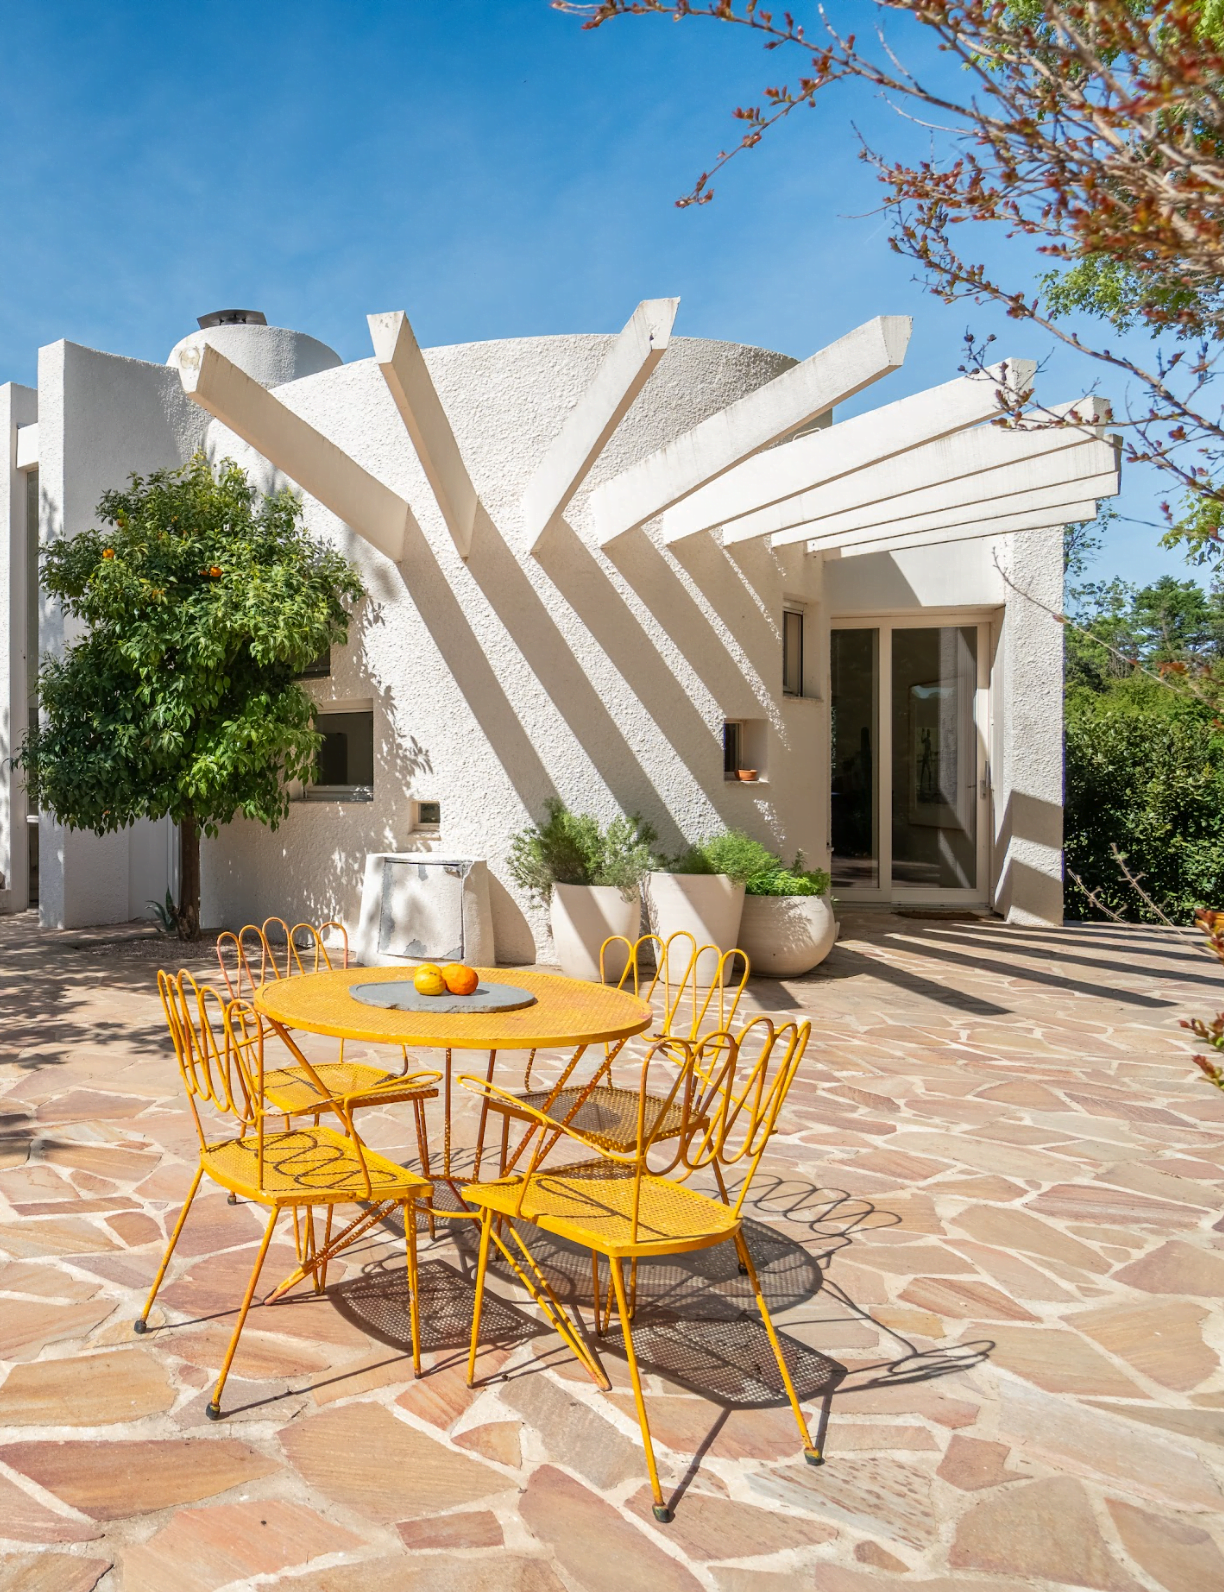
{"x":696,"y":1322}
{"x":376,"y":1301}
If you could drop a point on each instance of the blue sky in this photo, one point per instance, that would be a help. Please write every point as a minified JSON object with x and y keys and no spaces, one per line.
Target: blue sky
{"x":492,"y":169}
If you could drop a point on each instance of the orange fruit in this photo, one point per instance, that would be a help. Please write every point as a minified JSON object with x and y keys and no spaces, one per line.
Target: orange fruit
{"x":460,"y":979}
{"x":428,"y":980}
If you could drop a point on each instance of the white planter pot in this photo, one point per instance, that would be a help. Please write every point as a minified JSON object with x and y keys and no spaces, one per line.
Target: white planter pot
{"x":583,"y":916}
{"x":705,"y":905}
{"x":783,"y":936}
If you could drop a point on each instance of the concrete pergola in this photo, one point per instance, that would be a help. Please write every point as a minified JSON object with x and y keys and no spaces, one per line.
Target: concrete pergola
{"x":773,"y":467}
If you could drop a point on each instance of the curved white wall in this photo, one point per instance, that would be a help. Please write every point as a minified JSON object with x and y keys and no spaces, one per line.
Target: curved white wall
{"x":271,"y":355}
{"x":599,"y":676}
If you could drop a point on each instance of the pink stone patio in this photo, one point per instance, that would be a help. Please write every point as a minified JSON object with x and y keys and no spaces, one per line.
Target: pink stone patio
{"x":996,"y":1203}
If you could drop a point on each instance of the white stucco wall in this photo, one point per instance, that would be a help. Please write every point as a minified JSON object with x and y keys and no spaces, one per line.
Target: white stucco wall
{"x":269,"y":354}
{"x":18,"y":407}
{"x":603,"y":678}
{"x":100,"y":417}
{"x":1028,"y":806}
{"x":600,"y":676}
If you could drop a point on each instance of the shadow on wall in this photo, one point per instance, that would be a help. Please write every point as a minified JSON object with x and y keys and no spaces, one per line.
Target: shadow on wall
{"x":1025,"y":892}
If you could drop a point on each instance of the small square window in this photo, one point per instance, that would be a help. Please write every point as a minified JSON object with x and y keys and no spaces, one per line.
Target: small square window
{"x":345,"y":764}
{"x":733,"y":737}
{"x":792,"y":652}
{"x":318,"y":668}
{"x":428,"y":815}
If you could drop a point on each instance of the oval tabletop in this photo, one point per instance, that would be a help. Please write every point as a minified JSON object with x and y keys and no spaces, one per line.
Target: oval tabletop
{"x":567,"y":1011}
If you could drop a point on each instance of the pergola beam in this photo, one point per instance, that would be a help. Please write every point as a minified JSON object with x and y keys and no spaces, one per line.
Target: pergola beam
{"x":718,"y":444}
{"x":759,"y":496}
{"x":1010,"y":525}
{"x":949,"y":465}
{"x":1073,"y":472}
{"x":290,"y":443}
{"x":592,"y":422}
{"x":411,"y":386}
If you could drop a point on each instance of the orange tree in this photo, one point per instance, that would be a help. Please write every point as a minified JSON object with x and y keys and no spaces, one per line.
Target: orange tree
{"x":1094,"y":128}
{"x":201,"y":601}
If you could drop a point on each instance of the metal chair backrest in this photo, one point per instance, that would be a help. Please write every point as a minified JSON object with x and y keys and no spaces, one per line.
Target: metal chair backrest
{"x":743,"y":1082}
{"x":220,"y":1066}
{"x":712,"y":1106}
{"x":220,"y":1050}
{"x":689,"y":1011}
{"x":248,"y":959}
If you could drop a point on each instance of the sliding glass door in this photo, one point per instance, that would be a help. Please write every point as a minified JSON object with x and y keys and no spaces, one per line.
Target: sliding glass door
{"x":910,"y":782}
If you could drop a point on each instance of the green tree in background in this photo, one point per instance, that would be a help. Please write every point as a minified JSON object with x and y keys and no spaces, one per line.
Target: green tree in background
{"x":1145,"y":744}
{"x":201,"y":601}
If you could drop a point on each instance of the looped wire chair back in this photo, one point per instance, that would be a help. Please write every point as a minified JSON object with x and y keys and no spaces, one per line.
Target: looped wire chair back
{"x":254,"y":956}
{"x":688,"y":1008}
{"x":742,"y":1083}
{"x":220,"y":1064}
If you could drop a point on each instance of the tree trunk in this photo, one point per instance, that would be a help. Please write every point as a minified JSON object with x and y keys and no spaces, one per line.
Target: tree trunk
{"x":189,"y":880}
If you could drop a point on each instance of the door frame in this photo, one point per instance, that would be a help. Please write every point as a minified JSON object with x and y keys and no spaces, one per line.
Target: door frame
{"x":986,"y":621}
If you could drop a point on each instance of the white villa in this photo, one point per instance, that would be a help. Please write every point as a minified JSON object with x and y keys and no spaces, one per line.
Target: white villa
{"x":616,"y":569}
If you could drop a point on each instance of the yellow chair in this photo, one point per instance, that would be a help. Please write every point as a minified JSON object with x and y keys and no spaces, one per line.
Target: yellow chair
{"x":304,"y":1088}
{"x":722,"y":1099}
{"x":602,"y":1110}
{"x":252,"y":955}
{"x":219,"y":1047}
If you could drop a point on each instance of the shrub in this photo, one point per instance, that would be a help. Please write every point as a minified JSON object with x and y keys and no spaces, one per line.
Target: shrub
{"x":746,"y":861}
{"x":734,"y":853}
{"x":571,"y":848}
{"x":1145,"y":769}
{"x":796,"y":881}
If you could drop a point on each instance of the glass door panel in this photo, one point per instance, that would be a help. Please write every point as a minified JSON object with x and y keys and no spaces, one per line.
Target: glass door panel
{"x":934,"y":758}
{"x":854,"y":704}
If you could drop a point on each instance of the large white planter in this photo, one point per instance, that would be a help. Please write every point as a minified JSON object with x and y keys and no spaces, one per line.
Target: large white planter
{"x":705,"y":905}
{"x":583,"y":916}
{"x":783,"y":936}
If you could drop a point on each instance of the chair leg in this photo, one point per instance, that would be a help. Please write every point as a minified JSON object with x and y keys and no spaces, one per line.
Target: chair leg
{"x":659,"y":1509}
{"x":141,"y":1322}
{"x":422,"y":1138}
{"x":213,"y":1410}
{"x":321,"y":1272}
{"x":408,"y":1208}
{"x":811,"y":1453}
{"x":482,"y":1265}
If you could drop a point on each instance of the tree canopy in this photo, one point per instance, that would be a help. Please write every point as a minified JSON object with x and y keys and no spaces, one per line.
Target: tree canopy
{"x":201,"y":601}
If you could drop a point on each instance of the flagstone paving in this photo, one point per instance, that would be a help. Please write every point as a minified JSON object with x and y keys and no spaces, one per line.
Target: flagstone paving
{"x":990,"y":1226}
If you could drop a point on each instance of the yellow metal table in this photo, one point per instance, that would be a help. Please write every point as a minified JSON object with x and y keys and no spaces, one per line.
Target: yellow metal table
{"x":567,"y":1013}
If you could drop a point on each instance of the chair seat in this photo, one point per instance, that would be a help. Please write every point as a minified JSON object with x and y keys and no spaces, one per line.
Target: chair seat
{"x":292,"y":1089}
{"x":608,"y":1116}
{"x":308,"y":1166}
{"x":592,"y":1204}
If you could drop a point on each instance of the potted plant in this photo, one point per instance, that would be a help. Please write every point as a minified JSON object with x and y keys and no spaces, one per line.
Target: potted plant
{"x":590,"y":878}
{"x":702,"y":893}
{"x":787,"y":925}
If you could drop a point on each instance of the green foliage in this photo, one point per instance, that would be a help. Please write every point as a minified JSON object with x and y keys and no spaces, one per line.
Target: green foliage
{"x":796,"y":881}
{"x":571,"y":848}
{"x":733,"y":852}
{"x":200,"y":602}
{"x":1145,"y":770}
{"x":165,"y":912}
{"x":1174,"y":625}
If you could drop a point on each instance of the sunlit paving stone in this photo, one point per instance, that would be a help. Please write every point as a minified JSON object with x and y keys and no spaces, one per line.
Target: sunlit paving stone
{"x":987,"y":1229}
